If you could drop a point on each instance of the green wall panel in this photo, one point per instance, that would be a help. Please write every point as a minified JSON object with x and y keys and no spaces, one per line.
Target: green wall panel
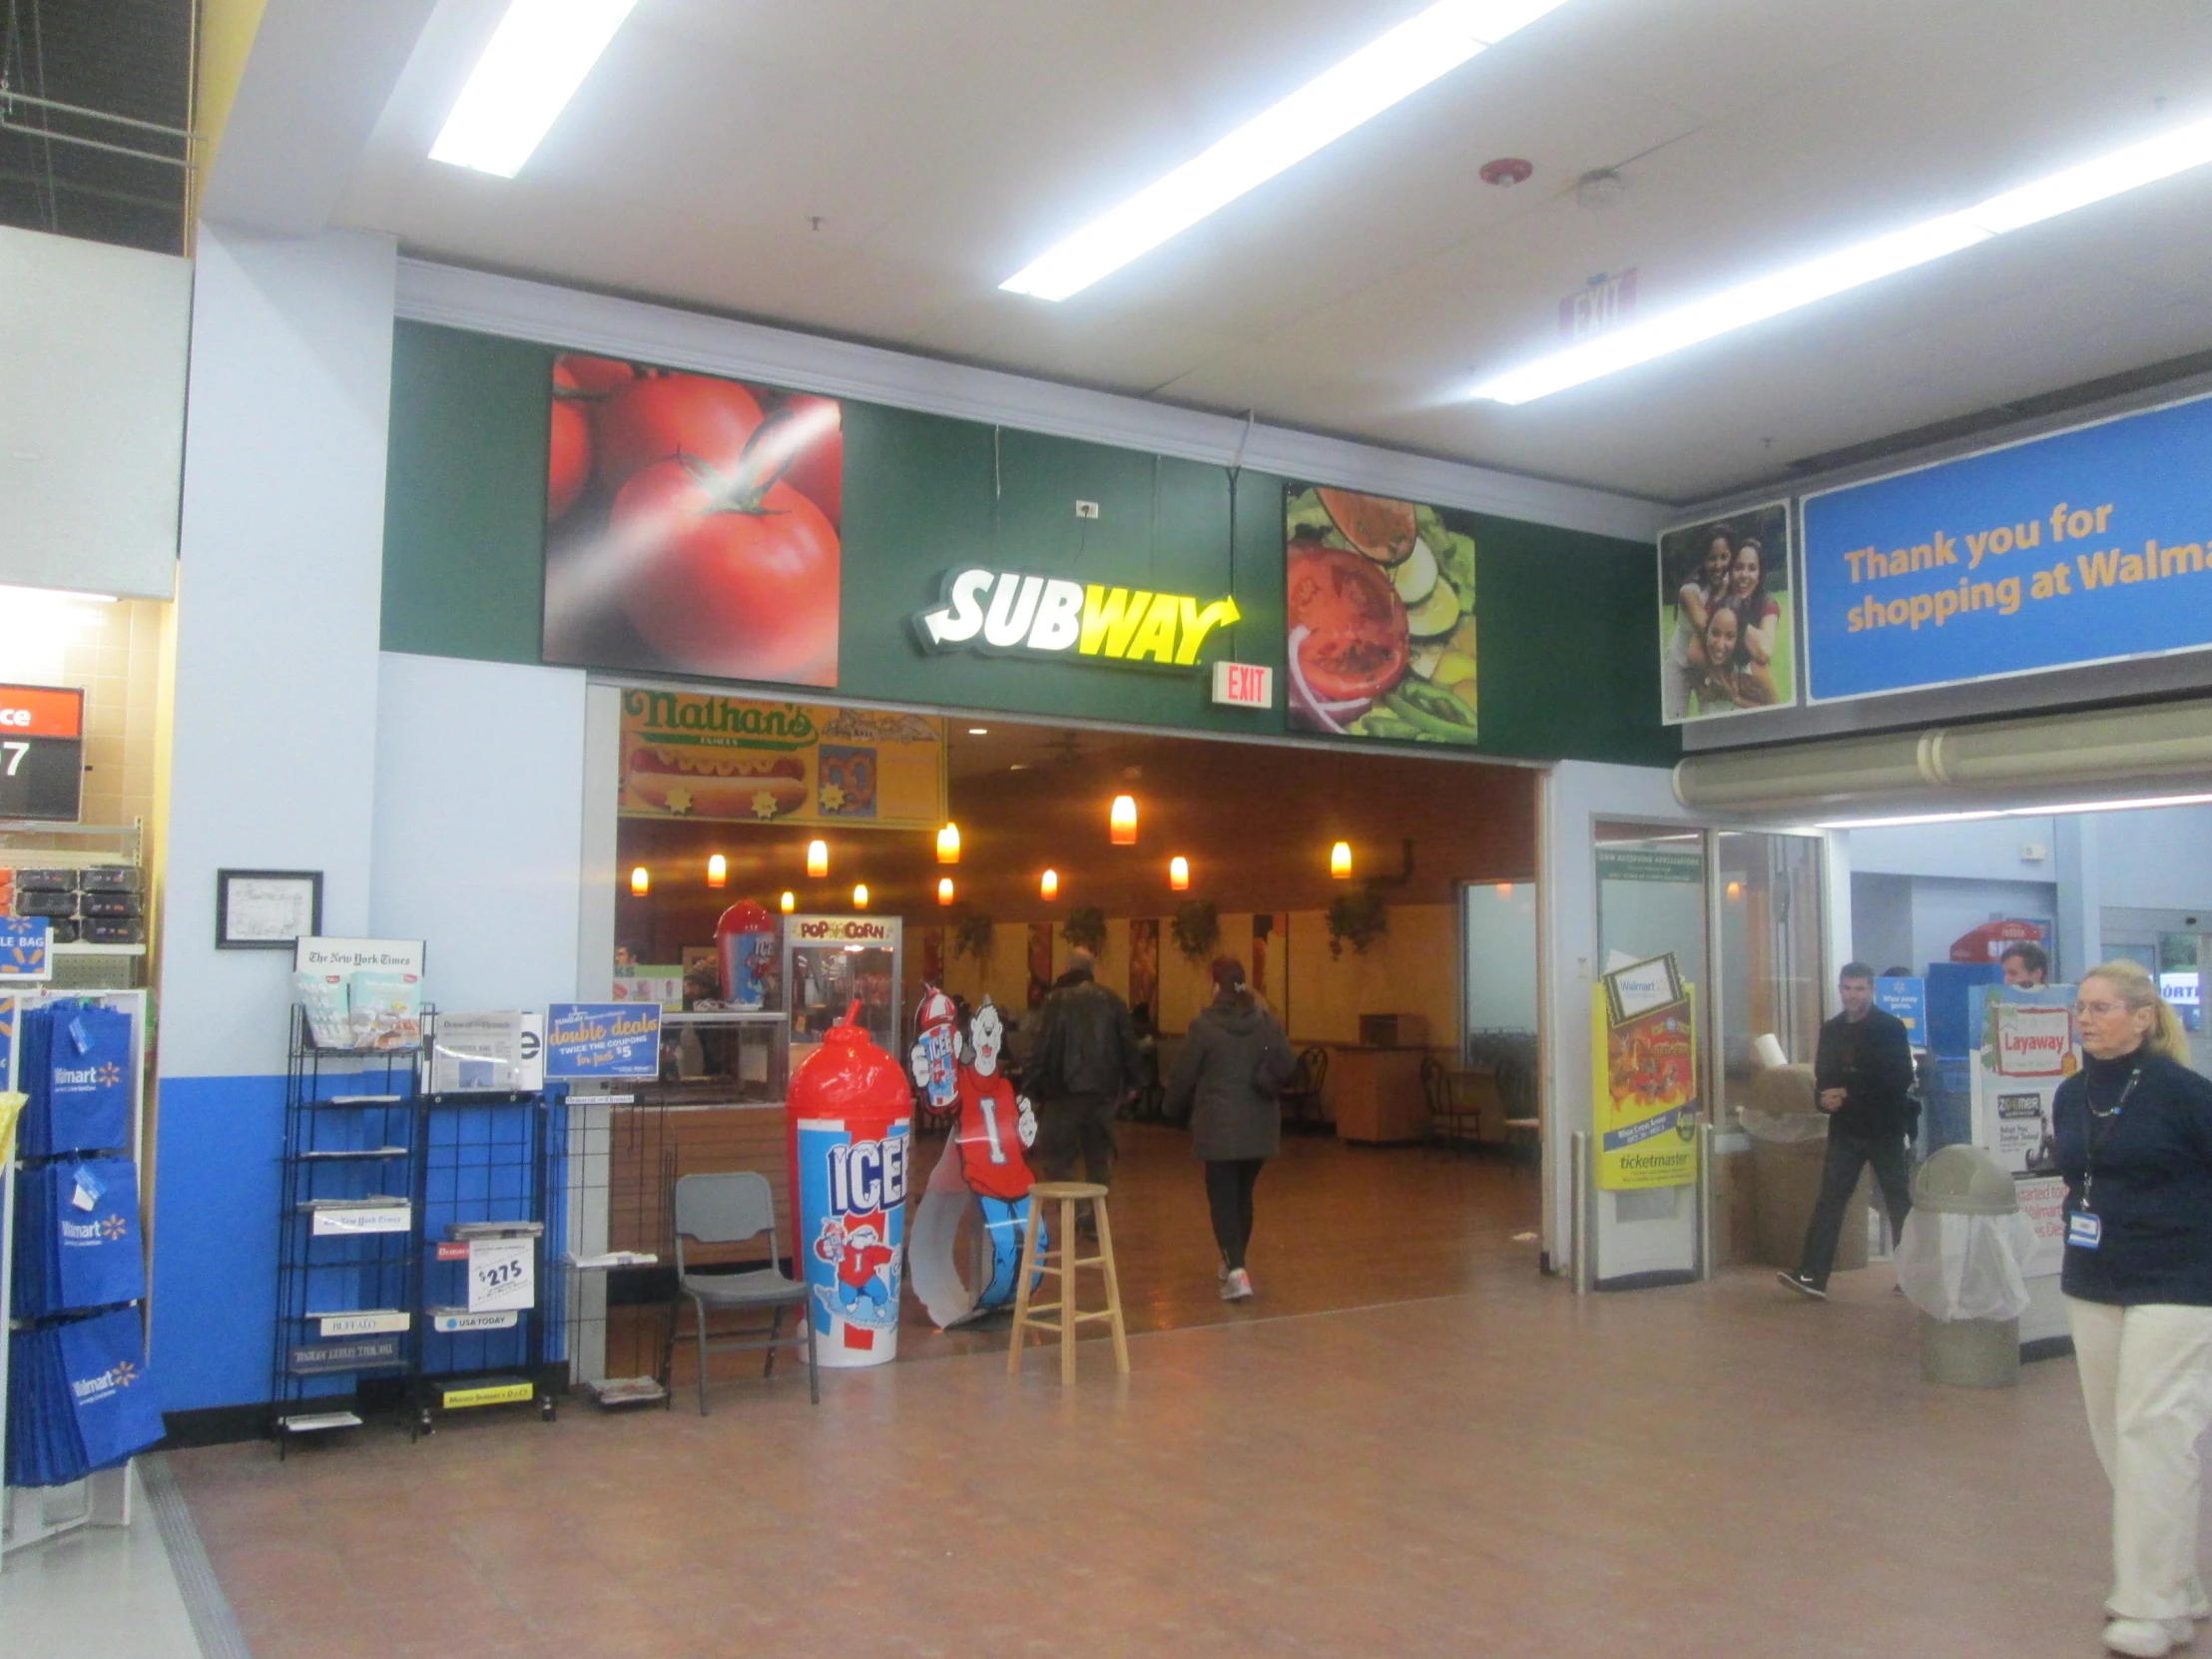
{"x":1567,"y":666}
{"x":465,"y":495}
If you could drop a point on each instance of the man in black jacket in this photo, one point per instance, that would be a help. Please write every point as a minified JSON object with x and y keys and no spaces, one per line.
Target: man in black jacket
{"x":1084,"y":1065}
{"x":1863,"y":1075}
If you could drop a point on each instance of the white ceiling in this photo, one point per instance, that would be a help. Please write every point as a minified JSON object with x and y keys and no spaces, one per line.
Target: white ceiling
{"x":942,"y":146}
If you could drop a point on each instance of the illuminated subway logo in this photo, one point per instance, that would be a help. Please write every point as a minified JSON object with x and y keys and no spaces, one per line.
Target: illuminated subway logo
{"x":1014,"y":613}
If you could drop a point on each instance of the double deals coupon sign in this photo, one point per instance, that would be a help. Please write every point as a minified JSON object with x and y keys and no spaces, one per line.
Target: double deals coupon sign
{"x":1643,"y":1048}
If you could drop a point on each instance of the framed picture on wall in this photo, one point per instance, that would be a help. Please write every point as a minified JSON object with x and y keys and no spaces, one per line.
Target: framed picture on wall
{"x":267,"y":910}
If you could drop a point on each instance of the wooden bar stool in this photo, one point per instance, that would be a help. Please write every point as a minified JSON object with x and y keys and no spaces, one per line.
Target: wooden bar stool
{"x":1067,"y":1309}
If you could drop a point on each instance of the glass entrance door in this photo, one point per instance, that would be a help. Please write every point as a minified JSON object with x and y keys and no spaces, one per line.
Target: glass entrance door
{"x":1740,"y":910}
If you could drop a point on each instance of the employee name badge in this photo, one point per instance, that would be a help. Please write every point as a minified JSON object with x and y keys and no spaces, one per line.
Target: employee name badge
{"x":2083,"y":1231}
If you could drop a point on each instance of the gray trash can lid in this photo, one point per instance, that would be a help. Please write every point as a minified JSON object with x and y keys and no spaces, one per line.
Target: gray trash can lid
{"x":1965,"y":1181}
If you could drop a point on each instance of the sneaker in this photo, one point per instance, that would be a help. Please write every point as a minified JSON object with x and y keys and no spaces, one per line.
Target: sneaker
{"x":1237,"y":1287}
{"x":2140,"y":1638}
{"x":1804,"y":1287}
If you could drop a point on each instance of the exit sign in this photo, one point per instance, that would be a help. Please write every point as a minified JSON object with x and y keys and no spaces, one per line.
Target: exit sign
{"x":1244,"y":685}
{"x":42,"y":752}
{"x":1606,"y":303}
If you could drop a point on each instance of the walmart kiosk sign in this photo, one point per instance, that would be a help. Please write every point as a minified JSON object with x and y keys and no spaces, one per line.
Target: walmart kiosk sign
{"x":2082,"y":547}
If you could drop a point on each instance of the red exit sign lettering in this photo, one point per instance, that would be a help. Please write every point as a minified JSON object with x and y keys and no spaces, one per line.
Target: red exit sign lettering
{"x":1244,"y":685}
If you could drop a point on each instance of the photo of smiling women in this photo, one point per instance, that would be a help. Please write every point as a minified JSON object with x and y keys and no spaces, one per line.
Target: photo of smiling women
{"x":1739,"y":563}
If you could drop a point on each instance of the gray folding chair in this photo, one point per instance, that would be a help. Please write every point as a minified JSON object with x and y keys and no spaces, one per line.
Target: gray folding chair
{"x":734,"y":1209}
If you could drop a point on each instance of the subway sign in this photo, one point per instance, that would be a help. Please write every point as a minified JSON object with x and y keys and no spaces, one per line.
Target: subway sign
{"x":1015,"y":613}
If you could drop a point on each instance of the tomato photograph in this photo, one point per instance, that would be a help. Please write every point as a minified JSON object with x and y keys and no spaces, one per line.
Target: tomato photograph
{"x":1380,"y":608}
{"x":691,"y":524}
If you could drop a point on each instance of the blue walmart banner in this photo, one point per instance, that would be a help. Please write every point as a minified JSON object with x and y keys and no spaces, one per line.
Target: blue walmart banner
{"x":2081,"y":547}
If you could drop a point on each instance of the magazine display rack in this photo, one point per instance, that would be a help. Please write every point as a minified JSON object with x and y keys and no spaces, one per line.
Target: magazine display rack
{"x":348,"y":1269}
{"x":492,"y":1330}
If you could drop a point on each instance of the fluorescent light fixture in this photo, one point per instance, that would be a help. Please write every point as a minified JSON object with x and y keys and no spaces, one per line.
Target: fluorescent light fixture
{"x":1984,"y":814}
{"x":538,"y":57}
{"x":1426,"y":47}
{"x":1850,"y":268}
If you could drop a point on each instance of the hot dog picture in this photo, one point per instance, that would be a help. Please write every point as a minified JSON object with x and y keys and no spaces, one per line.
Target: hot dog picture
{"x":707,"y":783}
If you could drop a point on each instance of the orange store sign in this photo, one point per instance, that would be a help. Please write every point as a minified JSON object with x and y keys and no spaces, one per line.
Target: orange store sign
{"x":41,"y":711}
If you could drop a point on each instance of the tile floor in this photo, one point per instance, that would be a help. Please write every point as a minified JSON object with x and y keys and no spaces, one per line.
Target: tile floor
{"x":1502,"y":1471}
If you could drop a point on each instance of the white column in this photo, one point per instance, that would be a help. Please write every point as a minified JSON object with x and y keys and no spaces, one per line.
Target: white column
{"x":2081,"y":918}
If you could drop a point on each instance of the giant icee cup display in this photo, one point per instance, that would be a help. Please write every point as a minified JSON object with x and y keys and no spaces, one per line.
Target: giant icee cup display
{"x":852,"y":1121}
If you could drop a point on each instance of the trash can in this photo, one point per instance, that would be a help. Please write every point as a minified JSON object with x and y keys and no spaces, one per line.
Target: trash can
{"x":852,"y":1132}
{"x":1958,"y":1263}
{"x":1788,"y":1144}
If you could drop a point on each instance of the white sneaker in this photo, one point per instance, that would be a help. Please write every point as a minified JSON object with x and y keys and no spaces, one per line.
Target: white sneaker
{"x":1237,"y":1287}
{"x":2140,"y":1638}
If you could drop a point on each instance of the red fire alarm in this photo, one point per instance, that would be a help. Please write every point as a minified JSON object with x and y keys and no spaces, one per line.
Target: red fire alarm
{"x":1506,"y":169}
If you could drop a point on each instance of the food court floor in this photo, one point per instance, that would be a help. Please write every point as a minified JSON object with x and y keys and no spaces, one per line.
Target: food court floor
{"x":1486,"y":1467}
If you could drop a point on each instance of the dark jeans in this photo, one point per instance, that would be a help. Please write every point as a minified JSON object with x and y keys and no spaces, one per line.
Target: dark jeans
{"x":1848,"y":1153}
{"x":1076,"y":1126}
{"x":1229,"y":1184}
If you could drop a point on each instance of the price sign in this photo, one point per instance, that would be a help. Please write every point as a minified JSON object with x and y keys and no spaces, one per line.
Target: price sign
{"x":42,"y":752}
{"x":502,"y":1272}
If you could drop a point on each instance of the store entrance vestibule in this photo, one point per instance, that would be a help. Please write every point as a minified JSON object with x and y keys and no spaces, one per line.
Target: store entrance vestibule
{"x":1740,"y":912}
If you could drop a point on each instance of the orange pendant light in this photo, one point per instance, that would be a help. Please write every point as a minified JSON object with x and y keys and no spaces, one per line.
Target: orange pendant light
{"x":945,"y":889}
{"x":948,"y":845}
{"x":787,"y":904}
{"x":1339,"y":860}
{"x":1178,"y":873}
{"x":641,"y":881}
{"x":860,"y":896}
{"x":1121,"y":820}
{"x":818,"y":860}
{"x":1048,"y":885}
{"x":718,"y":871}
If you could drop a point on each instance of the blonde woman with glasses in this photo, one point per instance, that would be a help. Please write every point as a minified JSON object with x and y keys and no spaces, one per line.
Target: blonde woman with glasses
{"x":2134,"y":1135}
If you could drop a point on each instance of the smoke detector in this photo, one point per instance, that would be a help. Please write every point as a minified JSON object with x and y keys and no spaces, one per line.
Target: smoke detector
{"x":1599,"y":189}
{"x":1506,"y":171}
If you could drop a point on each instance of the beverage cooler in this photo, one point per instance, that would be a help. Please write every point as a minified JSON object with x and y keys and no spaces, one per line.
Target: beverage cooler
{"x":830,"y":962}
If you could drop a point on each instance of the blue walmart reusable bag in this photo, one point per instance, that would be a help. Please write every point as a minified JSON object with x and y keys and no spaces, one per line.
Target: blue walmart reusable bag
{"x":98,"y":1254}
{"x":80,"y":1078}
{"x":111,"y":1394}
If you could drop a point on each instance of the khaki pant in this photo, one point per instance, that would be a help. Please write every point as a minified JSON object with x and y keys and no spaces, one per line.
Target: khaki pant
{"x":2146,"y":1378}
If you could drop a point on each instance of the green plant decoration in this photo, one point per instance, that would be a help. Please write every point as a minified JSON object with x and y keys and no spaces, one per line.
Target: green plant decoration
{"x":1357,"y":919}
{"x":972,"y":937}
{"x":1086,"y":928}
{"x":1195,"y":928}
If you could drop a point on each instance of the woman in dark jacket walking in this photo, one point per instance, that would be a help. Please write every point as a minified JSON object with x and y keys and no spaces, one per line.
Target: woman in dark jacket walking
{"x":2134,"y":1135}
{"x":1229,"y":1078}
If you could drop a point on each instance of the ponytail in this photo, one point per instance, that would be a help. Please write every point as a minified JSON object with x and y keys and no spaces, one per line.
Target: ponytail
{"x":2138,"y":990}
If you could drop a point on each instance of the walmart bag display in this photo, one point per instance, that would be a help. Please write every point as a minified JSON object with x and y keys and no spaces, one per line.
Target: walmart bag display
{"x":79,"y":1398}
{"x":77,"y":1241}
{"x":76,"y":1068}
